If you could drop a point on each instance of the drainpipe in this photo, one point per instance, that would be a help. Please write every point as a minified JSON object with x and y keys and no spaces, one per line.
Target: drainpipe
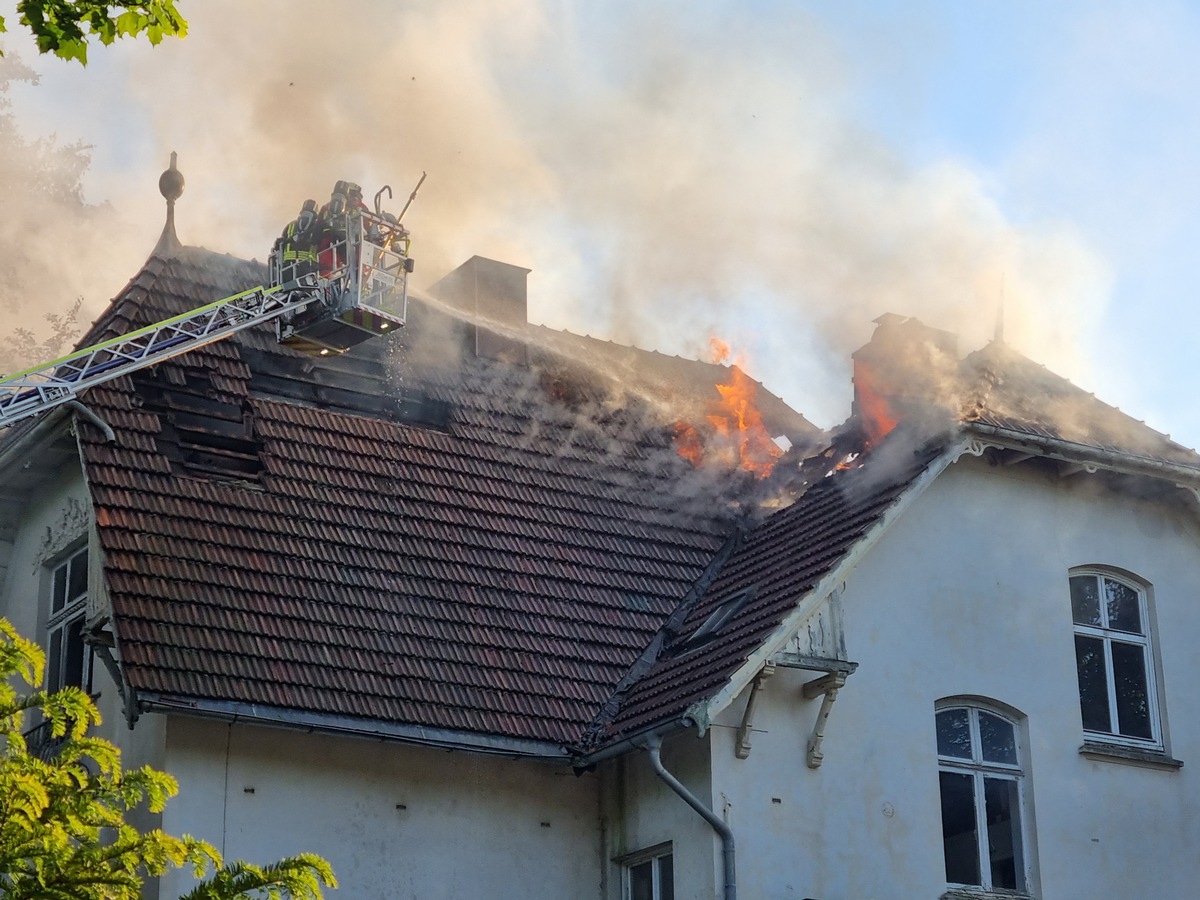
{"x":92,"y":417}
{"x":653,"y":747}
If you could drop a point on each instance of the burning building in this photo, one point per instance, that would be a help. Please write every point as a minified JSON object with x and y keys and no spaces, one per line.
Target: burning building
{"x":485,"y":609}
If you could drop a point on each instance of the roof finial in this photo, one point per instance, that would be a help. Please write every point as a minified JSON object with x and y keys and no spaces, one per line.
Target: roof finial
{"x":170,"y":185}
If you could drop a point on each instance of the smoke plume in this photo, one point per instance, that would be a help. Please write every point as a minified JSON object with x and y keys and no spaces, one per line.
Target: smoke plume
{"x":666,"y":172}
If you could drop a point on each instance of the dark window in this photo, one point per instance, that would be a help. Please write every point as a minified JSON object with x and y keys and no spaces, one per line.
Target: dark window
{"x":980,"y":783}
{"x":1113,"y":658}
{"x":650,"y":878}
{"x":68,"y":658}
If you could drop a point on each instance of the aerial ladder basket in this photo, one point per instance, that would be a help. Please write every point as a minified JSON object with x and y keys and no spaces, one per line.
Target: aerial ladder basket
{"x":351,"y":285}
{"x":362,"y":268}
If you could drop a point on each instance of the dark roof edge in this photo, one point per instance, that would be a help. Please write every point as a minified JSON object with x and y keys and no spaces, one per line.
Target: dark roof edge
{"x":349,"y":726}
{"x":1128,"y":463}
{"x":39,"y":431}
{"x":636,"y":741}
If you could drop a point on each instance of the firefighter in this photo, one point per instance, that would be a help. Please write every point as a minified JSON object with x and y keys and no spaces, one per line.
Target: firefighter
{"x":354,"y":197}
{"x":297,"y":245}
{"x":332,"y":226}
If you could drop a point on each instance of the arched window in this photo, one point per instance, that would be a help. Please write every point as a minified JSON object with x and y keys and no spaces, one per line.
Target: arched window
{"x":981,"y":775}
{"x":1117,"y":693}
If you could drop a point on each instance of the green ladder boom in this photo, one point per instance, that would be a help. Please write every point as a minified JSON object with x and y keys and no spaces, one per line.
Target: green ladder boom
{"x":51,"y":384}
{"x":355,"y":289}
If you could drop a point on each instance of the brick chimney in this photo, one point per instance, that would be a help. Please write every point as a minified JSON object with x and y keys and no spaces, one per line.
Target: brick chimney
{"x":489,"y":292}
{"x":906,"y":372}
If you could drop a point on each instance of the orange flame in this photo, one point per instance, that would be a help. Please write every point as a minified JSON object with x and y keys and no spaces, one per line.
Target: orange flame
{"x":738,"y":435}
{"x":688,"y":443}
{"x":874,"y":408}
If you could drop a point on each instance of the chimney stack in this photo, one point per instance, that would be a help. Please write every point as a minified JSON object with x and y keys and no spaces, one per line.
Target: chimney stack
{"x":907,"y":371}
{"x":494,"y":295}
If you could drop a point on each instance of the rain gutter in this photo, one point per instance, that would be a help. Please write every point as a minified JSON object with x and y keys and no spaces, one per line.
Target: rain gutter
{"x":654,"y":748}
{"x":278,"y":717}
{"x":637,"y":741}
{"x":1110,"y":459}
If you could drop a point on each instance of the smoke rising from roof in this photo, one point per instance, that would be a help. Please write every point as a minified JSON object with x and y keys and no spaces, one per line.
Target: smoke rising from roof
{"x":667,"y":173}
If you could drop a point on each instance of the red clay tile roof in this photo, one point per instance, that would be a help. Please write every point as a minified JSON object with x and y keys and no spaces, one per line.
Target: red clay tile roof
{"x":407,"y":533}
{"x":412,"y":534}
{"x":778,"y":562}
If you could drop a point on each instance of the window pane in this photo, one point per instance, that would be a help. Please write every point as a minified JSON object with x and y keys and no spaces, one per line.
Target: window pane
{"x":666,"y":878}
{"x":1124,"y":611}
{"x":1093,"y":683}
{"x":998,"y":739}
{"x":959,"y":838}
{"x":954,"y":733}
{"x":641,"y":881}
{"x":1085,"y":600}
{"x":59,"y":591}
{"x":73,"y":653}
{"x":54,"y":660}
{"x":1133,"y":701}
{"x":1004,"y":832}
{"x":77,"y":584}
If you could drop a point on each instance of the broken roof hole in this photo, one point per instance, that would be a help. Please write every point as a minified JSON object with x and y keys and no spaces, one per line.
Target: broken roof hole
{"x":199,"y":434}
{"x":719,"y":618}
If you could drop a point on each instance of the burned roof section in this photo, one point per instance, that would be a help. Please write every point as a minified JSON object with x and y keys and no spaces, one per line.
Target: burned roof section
{"x":776,"y":565}
{"x":445,"y":545}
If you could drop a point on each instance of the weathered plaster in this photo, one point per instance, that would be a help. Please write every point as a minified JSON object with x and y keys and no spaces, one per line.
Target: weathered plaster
{"x":967,"y":595}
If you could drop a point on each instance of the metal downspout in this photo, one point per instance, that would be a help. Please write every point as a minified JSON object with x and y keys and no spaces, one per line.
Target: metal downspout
{"x":654,"y":747}
{"x":92,"y":417}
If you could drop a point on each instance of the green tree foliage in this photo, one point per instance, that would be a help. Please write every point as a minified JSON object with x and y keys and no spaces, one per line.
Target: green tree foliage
{"x":63,"y":828}
{"x":65,"y":27}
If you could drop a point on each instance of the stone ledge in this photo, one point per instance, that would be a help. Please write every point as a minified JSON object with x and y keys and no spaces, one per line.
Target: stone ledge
{"x":1134,"y":756}
{"x":964,"y":893}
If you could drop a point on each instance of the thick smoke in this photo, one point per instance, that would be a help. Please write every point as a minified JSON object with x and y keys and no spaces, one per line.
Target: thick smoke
{"x":50,"y":247}
{"x":666,"y":172}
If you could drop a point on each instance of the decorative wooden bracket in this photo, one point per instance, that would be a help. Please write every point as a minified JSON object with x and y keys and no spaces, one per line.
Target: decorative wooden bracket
{"x":742,"y":748}
{"x":828,"y":686}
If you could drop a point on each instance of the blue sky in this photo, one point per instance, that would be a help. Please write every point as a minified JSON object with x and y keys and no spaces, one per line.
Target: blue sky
{"x":778,"y":173}
{"x":1084,"y":112}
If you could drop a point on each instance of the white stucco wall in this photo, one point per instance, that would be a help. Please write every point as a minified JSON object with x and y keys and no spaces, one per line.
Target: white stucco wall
{"x":395,"y":821}
{"x":55,"y":523}
{"x":51,"y":522}
{"x":640,"y":811}
{"x":967,"y":594}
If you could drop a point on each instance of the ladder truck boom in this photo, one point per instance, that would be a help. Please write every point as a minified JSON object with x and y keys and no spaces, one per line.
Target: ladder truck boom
{"x":350,"y":284}
{"x":51,"y":384}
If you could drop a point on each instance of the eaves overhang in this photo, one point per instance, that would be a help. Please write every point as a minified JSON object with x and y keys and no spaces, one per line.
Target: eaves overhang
{"x":1089,"y":455}
{"x":637,"y":741}
{"x":27,"y":458}
{"x":348,"y":726}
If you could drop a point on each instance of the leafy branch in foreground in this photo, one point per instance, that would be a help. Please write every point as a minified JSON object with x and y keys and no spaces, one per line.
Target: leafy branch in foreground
{"x":63,"y":808}
{"x":64,"y":27}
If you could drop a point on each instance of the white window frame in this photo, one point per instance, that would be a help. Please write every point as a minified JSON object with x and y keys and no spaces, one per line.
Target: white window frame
{"x":652,"y":855}
{"x":1108,"y":636}
{"x":979,"y":769}
{"x":61,"y":616}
